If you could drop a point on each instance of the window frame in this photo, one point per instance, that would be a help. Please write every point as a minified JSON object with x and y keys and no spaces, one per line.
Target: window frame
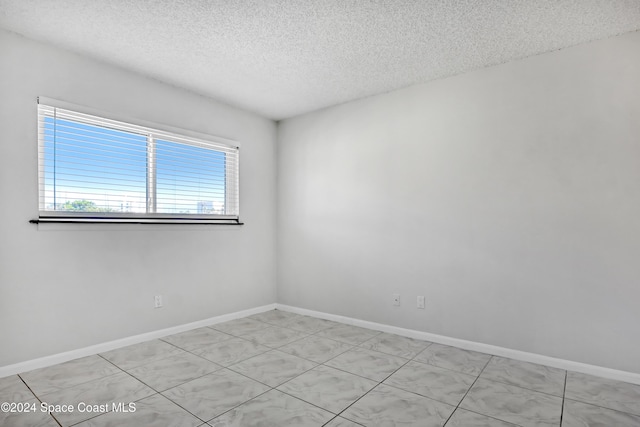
{"x":48,"y":107}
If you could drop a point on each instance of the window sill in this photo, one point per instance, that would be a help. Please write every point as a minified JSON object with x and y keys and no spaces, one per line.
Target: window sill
{"x":149,"y":221}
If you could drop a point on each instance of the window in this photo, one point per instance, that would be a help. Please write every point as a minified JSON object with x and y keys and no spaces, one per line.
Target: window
{"x":93,"y":168}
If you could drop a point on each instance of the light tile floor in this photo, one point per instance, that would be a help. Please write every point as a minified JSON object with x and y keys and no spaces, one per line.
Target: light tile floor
{"x":278,"y":369}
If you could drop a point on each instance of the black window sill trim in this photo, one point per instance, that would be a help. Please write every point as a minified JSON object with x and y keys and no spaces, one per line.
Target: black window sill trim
{"x":173,"y":221}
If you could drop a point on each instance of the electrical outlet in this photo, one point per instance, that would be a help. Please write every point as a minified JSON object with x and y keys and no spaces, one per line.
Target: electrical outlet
{"x":396,"y":299}
{"x":158,"y":301}
{"x":420,"y":301}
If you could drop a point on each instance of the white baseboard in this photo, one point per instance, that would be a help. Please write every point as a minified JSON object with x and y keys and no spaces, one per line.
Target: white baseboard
{"x":54,"y":359}
{"x":524,"y":356}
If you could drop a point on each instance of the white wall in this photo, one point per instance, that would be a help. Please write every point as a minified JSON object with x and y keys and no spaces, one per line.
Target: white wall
{"x":65,"y":287}
{"x":508,"y":196}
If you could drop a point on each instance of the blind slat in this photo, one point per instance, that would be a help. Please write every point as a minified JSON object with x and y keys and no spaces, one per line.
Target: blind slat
{"x":122,"y":160}
{"x":69,"y":138}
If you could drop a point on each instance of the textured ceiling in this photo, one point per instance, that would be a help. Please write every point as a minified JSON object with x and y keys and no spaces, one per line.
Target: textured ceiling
{"x":281,"y":58}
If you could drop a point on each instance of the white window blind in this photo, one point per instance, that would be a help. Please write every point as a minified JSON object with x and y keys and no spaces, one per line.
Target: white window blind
{"x":98,"y":168}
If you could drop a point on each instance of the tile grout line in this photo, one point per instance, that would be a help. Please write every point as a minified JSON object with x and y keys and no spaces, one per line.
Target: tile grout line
{"x":450,"y":369}
{"x":428,"y":364}
{"x":87,"y":382}
{"x":164,"y":358}
{"x":147,"y":385}
{"x":238,"y":405}
{"x":206,"y":421}
{"x":315,"y":334}
{"x":282,"y":345}
{"x":338,"y":416}
{"x":145,"y":363}
{"x":372,"y":388}
{"x":367,"y":378}
{"x":604,"y":407}
{"x":340,"y":325}
{"x":270,"y":350}
{"x":38,"y":399}
{"x":253,"y":379}
{"x":319,"y":363}
{"x":71,"y":386}
{"x":188,"y":411}
{"x":247,"y":377}
{"x":196,"y":355}
{"x":492,"y":417}
{"x":229,"y":367}
{"x":564,"y":392}
{"x":291,"y":379}
{"x":91,"y":418}
{"x":522,"y":387}
{"x":308,"y":334}
{"x":468,"y":390}
{"x":306,"y":401}
{"x":407,"y":360}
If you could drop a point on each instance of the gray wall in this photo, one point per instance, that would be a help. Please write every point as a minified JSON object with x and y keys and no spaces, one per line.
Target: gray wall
{"x":65,"y":287}
{"x":508,"y":196}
